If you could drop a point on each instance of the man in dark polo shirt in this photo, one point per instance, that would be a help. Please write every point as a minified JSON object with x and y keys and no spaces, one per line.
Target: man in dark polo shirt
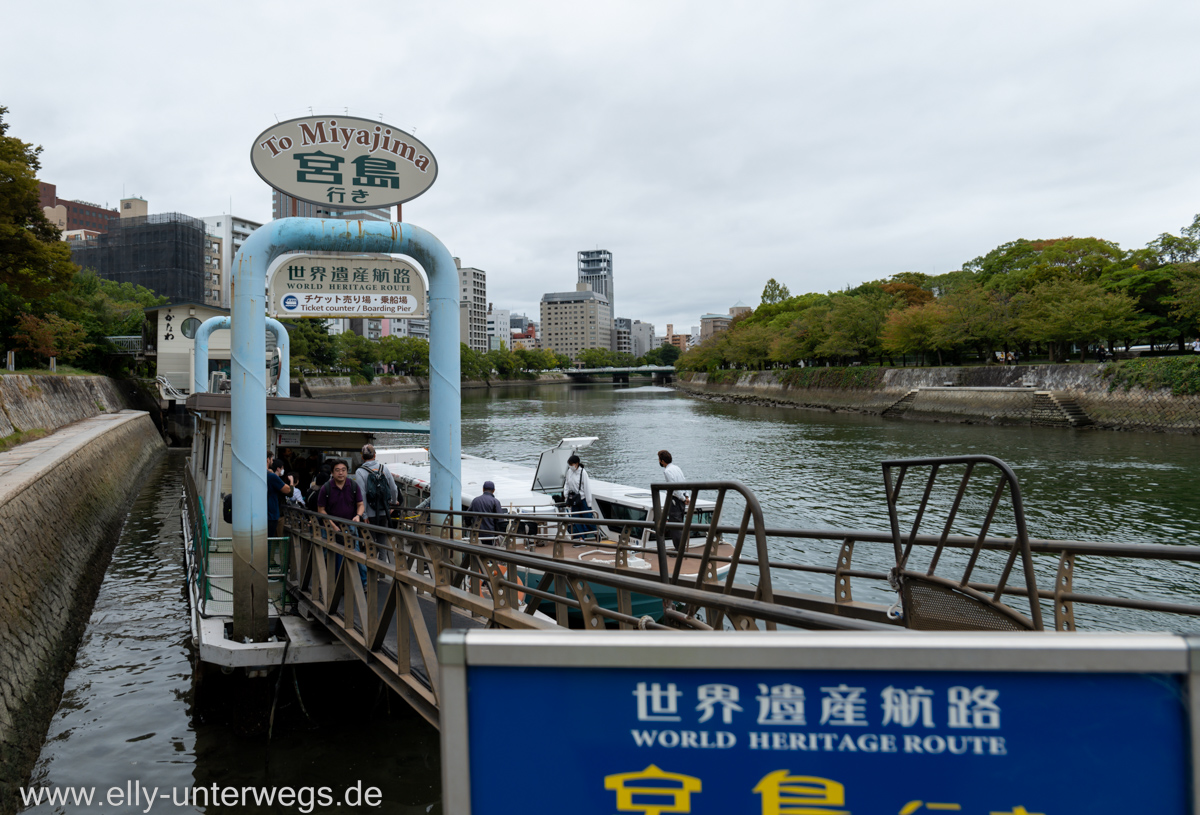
{"x":341,"y":498}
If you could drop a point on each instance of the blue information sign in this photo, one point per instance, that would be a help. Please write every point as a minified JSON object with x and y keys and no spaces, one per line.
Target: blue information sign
{"x":723,"y":736}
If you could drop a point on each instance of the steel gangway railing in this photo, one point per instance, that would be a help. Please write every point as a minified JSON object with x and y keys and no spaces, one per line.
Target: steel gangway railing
{"x":432,"y":572}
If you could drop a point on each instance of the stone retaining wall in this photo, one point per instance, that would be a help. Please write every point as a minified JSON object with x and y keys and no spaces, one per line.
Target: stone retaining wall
{"x":49,"y":402}
{"x":1118,"y":409}
{"x":63,"y":499}
{"x":974,"y":405}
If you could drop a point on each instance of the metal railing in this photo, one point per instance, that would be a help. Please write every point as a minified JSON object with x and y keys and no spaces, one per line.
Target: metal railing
{"x":423,"y":578}
{"x":130,"y":344}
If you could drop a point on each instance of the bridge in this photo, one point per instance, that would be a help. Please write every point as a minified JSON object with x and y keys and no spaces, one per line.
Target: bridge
{"x":425,"y":579}
{"x":658,"y":373}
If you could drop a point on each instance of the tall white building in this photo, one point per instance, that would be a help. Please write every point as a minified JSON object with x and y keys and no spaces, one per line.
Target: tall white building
{"x":499,"y":328}
{"x":233,"y":232}
{"x":641,"y":336}
{"x":472,"y":287}
{"x":596,"y":271}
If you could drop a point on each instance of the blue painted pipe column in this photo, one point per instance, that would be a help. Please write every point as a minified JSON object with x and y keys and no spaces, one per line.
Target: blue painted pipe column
{"x":249,"y":397}
{"x":200,"y":363}
{"x":200,"y":357}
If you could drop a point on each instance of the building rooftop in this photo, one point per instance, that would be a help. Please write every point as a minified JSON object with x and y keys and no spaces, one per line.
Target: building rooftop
{"x":572,"y":297}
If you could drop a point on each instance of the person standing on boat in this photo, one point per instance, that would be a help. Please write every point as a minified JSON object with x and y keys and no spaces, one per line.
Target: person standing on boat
{"x":276,"y":489}
{"x":487,"y":502}
{"x":673,"y":475}
{"x":578,"y":490}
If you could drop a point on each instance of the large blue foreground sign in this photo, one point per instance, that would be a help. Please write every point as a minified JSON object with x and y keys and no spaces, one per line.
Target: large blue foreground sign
{"x":816,"y":723}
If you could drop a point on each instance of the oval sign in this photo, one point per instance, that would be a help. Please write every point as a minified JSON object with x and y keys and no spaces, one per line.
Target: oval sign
{"x":343,"y":162}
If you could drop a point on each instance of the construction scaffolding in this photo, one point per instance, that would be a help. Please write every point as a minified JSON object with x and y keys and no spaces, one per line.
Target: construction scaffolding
{"x":163,"y":252}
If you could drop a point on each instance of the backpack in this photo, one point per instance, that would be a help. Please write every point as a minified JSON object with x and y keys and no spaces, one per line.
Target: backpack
{"x":379,"y":494}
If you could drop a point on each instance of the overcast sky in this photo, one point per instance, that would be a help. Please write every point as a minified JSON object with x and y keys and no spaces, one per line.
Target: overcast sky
{"x":709,"y":146}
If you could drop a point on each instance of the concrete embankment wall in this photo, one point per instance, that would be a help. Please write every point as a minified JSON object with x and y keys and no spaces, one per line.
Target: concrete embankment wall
{"x":49,"y":402}
{"x":991,"y":394}
{"x":63,"y":499}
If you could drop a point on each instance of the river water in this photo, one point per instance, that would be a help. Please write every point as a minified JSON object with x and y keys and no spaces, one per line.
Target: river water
{"x":126,"y":713}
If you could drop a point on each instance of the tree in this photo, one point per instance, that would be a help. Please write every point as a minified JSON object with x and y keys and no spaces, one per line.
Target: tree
{"x":1075,"y":311}
{"x":310,"y":343}
{"x":1021,"y":264}
{"x":775,"y":292}
{"x":1186,"y":298}
{"x":594,"y":357}
{"x":709,"y":355}
{"x":51,"y":336}
{"x":855,"y":323}
{"x":750,"y":347}
{"x":409,"y":356}
{"x":917,"y":330}
{"x":34,"y":262}
{"x":502,"y":361}
{"x":663,"y":355}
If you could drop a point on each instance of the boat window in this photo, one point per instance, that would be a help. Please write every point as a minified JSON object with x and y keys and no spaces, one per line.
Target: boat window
{"x":620,"y":512}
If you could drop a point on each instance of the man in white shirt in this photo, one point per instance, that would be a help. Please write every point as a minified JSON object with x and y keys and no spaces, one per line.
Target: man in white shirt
{"x":672,"y":474}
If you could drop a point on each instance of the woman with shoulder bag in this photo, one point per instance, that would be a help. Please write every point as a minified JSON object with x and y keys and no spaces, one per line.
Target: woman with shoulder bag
{"x":578,"y":490}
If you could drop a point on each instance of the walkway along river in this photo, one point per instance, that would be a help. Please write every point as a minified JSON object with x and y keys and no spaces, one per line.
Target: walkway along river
{"x":126,"y":713}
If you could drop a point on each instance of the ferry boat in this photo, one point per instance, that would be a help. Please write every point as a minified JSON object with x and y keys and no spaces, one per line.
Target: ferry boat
{"x":538,"y":491}
{"x":333,"y":429}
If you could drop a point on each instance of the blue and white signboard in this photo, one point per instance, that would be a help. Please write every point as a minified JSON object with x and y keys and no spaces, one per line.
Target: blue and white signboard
{"x":815,"y":723}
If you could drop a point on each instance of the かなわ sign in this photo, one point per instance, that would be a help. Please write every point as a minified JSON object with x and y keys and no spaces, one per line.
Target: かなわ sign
{"x":343,"y":162}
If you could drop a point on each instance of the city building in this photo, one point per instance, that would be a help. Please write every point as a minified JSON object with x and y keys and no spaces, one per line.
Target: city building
{"x":680,"y":341}
{"x":71,"y":216}
{"x":576,"y":321}
{"x":596,"y":270}
{"x":499,"y":328}
{"x":641,"y":337}
{"x":409,"y":327}
{"x":623,"y":335}
{"x":213,"y":270}
{"x":233,"y":232}
{"x":525,"y":338}
{"x":472,"y":284}
{"x":369,"y":327}
{"x":596,"y":273}
{"x":713,"y":324}
{"x":738,"y":309}
{"x":164,"y":252}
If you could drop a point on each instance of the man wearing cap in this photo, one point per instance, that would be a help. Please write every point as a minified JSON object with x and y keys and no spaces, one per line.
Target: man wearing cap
{"x":487,"y":503}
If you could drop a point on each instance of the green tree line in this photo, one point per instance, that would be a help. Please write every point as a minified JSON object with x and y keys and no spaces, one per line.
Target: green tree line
{"x":48,"y":306}
{"x":1027,"y":297}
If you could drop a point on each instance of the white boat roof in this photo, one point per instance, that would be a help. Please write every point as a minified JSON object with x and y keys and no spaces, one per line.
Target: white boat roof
{"x":514,"y":482}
